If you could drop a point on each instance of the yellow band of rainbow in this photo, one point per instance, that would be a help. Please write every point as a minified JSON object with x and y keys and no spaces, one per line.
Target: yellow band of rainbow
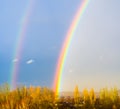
{"x":24,"y":21}
{"x":66,"y":44}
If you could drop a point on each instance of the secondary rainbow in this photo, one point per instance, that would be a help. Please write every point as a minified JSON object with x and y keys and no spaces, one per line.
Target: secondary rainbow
{"x":19,"y":44}
{"x":66,"y":44}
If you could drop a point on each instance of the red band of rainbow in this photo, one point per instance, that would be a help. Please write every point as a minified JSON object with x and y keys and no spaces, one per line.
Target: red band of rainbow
{"x":19,"y":44}
{"x":66,"y":44}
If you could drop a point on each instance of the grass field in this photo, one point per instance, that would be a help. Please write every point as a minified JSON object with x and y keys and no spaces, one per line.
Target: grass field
{"x":44,"y":98}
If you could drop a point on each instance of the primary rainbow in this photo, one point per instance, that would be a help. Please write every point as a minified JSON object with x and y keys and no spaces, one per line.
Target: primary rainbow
{"x":19,"y":44}
{"x":66,"y":44}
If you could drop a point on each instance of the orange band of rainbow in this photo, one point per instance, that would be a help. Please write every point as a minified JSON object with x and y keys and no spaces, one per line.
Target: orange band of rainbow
{"x":66,"y":44}
{"x":19,"y":44}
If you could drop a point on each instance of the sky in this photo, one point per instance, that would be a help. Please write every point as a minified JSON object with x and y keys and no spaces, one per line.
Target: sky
{"x":93,"y":59}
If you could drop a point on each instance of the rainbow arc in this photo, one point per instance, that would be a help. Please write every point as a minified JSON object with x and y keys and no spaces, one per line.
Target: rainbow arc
{"x":63,"y":53}
{"x":19,"y":44}
{"x":66,"y":45}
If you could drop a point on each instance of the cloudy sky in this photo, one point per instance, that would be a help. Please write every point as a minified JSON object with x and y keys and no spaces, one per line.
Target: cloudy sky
{"x":93,"y":59}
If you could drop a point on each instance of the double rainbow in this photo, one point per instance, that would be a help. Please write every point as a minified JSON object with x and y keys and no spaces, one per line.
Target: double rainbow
{"x":64,"y":50}
{"x":19,"y":44}
{"x":66,"y":44}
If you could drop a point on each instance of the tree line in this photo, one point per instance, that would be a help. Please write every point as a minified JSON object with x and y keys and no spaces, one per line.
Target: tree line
{"x":44,"y":98}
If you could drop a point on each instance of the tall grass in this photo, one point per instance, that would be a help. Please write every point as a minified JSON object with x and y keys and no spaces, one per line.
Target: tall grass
{"x":44,"y":98}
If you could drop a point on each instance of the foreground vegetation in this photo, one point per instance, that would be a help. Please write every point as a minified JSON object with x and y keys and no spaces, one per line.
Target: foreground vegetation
{"x":44,"y":98}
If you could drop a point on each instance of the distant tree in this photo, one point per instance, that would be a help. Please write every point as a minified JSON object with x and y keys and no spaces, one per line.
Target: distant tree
{"x":76,"y":96}
{"x":92,"y":96}
{"x":114,"y":95}
{"x":86,"y":98}
{"x":85,"y":94}
{"x":105,"y":98}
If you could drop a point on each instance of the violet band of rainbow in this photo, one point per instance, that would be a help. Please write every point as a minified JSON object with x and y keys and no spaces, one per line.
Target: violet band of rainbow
{"x":19,"y":44}
{"x":66,"y":44}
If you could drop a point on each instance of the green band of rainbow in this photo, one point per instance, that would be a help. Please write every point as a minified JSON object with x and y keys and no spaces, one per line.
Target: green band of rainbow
{"x":19,"y":44}
{"x":66,"y":44}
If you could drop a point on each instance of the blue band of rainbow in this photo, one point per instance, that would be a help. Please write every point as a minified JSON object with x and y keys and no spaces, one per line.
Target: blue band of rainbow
{"x":19,"y":44}
{"x":66,"y":44}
